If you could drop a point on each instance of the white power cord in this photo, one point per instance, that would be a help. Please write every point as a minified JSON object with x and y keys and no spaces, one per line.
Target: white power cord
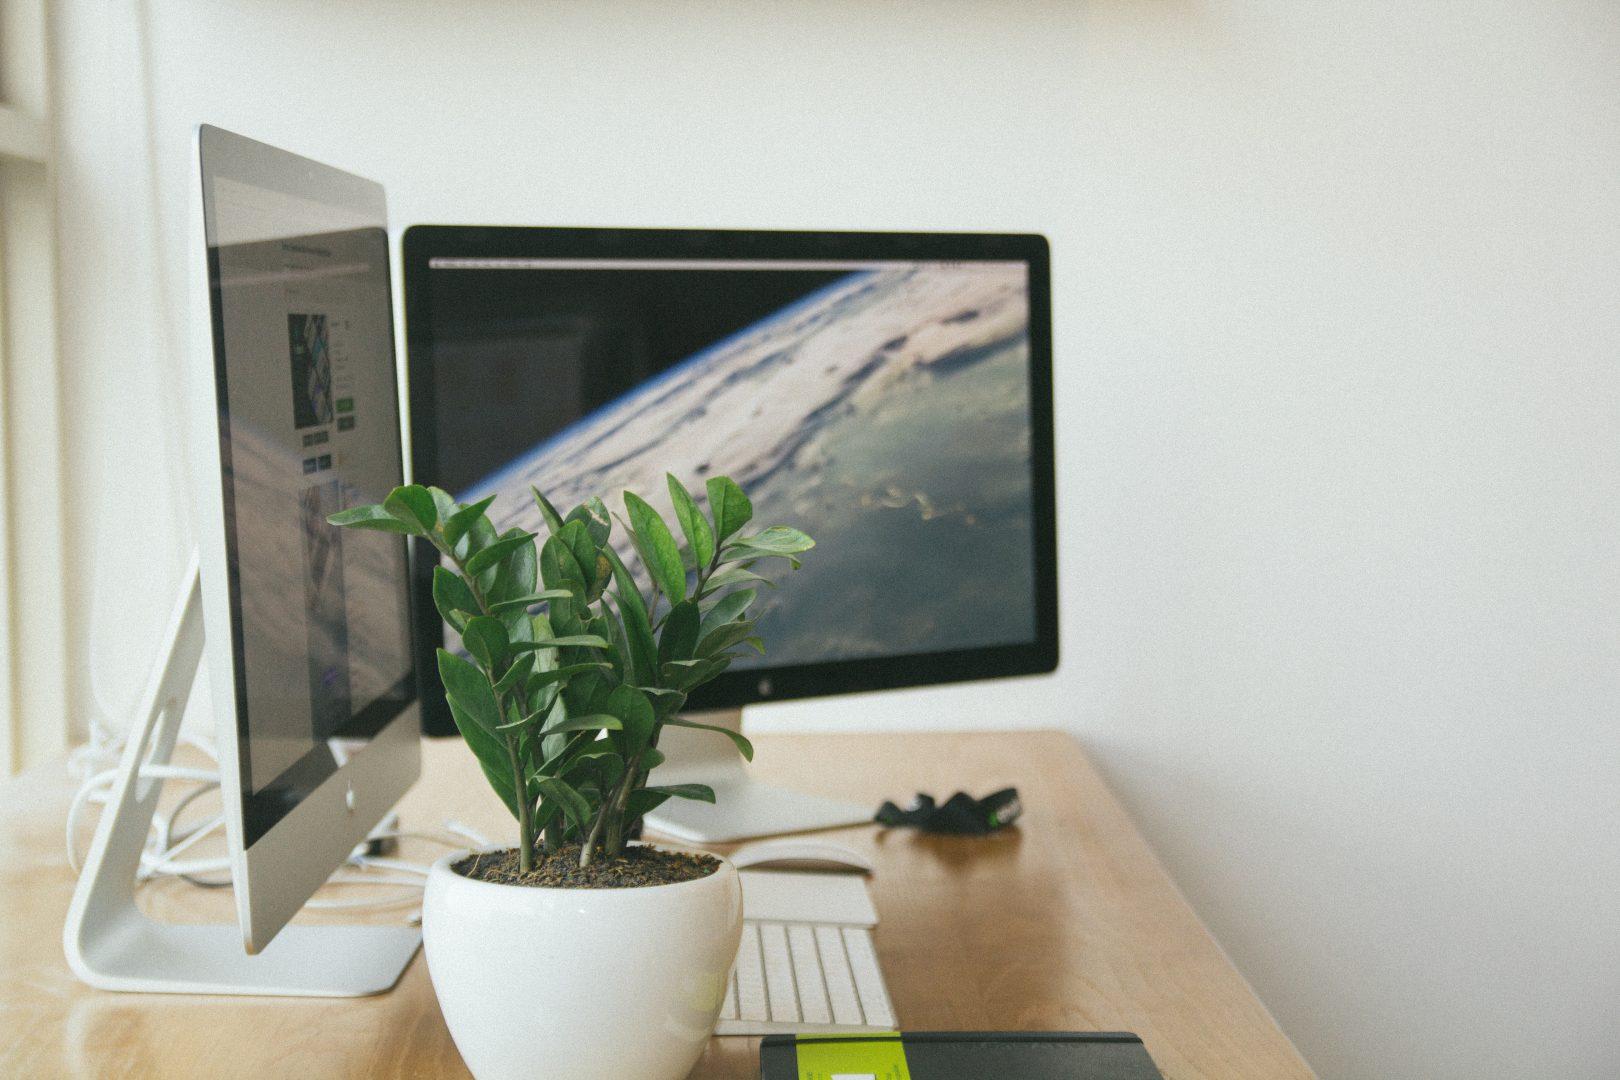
{"x":168,"y":839}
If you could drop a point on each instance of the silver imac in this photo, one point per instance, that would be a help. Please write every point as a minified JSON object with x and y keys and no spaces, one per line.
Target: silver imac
{"x":305,"y":630}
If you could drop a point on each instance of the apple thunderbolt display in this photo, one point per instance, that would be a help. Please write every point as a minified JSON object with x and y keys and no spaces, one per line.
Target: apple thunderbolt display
{"x":890,"y":394}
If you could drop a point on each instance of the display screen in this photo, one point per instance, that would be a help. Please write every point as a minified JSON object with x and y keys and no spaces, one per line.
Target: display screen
{"x":309,"y":425}
{"x":884,"y":407}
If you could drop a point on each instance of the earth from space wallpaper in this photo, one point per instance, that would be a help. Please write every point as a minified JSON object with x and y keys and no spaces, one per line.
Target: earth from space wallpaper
{"x":887,"y":414}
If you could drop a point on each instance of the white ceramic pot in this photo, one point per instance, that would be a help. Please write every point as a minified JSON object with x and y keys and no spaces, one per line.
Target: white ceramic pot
{"x":580,"y":984}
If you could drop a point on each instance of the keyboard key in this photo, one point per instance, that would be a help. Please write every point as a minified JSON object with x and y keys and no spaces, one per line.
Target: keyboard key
{"x":751,"y":1000}
{"x":868,"y":979}
{"x":846,"y":1004}
{"x":807,"y":975}
{"x":779,"y":988}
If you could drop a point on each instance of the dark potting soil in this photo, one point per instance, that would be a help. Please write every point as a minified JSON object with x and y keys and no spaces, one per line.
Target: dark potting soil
{"x":631,"y":868}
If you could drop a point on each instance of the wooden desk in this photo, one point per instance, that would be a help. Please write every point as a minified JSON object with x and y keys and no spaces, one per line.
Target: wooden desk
{"x":1067,"y":922}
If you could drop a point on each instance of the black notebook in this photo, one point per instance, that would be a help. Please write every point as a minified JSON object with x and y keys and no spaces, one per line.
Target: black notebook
{"x":957,"y":1055}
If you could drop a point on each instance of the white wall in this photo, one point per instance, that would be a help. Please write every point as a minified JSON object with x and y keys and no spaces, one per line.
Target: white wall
{"x":1340,"y":415}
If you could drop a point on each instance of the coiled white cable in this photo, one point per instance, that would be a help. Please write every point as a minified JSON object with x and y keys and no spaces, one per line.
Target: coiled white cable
{"x":168,"y":840}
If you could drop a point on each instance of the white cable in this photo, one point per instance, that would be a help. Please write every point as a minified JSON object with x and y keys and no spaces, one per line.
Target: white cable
{"x":478,"y":839}
{"x":413,"y":886}
{"x":399,"y":865}
{"x":412,"y":896}
{"x":167,"y":840}
{"x":165,"y":864}
{"x":164,"y":824}
{"x":98,"y":788}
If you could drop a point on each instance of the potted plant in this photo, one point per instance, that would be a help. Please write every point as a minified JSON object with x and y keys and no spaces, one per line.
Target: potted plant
{"x":580,"y":953}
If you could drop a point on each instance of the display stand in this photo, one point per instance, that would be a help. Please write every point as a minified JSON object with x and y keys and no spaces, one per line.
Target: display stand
{"x":743,"y":807}
{"x":110,"y":944}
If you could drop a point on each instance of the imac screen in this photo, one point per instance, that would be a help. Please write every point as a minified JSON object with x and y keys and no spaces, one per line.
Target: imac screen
{"x":310,"y":425}
{"x":882,"y":406}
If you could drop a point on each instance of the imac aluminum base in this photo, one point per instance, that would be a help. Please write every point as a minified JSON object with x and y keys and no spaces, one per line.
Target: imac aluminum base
{"x":743,"y":807}
{"x":111,"y":945}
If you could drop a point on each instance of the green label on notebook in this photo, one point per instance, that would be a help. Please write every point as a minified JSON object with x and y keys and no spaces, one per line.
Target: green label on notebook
{"x":874,"y":1055}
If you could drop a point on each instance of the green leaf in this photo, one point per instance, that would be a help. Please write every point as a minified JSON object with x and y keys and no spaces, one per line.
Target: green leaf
{"x":577,"y":537}
{"x":515,"y":575}
{"x":413,"y":504}
{"x":523,"y":603}
{"x":517,"y":720}
{"x":540,"y":630}
{"x":651,"y":758}
{"x":727,"y":609}
{"x":665,"y":701}
{"x":556,"y":711}
{"x":554,"y":521}
{"x":561,"y":674}
{"x":490,"y":751}
{"x":699,"y":535}
{"x":730,"y":507}
{"x":687,"y":675}
{"x":700,"y":792}
{"x":680,"y":634}
{"x":589,"y":722}
{"x":776,"y":540}
{"x":456,"y":526}
{"x":520,"y":670}
{"x":604,"y":574}
{"x":601,"y":522}
{"x":479,"y":537}
{"x":742,"y":744}
{"x":575,"y":807}
{"x":467,"y":686}
{"x":559,"y":569}
{"x":748,"y":557}
{"x":594,"y":516}
{"x":643,"y":655}
{"x":519,"y":625}
{"x":452,"y":597}
{"x":733,"y":575}
{"x":491,"y":556}
{"x":620,"y":654}
{"x":371,"y":517}
{"x":636,"y":714}
{"x":724,"y":637}
{"x":644,"y":801}
{"x":572,"y":641}
{"x":564,"y":619}
{"x":546,"y":812}
{"x":486,"y":639}
{"x":657,"y":547}
{"x":588,"y":749}
{"x":543,"y":698}
{"x":443,"y":502}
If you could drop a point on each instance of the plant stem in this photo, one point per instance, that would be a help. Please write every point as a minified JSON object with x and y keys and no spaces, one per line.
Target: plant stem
{"x":520,"y":792}
{"x":591,"y":837}
{"x":614,"y":842}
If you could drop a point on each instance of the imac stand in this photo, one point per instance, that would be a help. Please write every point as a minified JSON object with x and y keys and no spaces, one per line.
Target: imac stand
{"x":743,"y":807}
{"x":111,"y":945}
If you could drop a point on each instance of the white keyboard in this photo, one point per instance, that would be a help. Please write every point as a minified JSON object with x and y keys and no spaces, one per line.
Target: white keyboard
{"x":805,"y":977}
